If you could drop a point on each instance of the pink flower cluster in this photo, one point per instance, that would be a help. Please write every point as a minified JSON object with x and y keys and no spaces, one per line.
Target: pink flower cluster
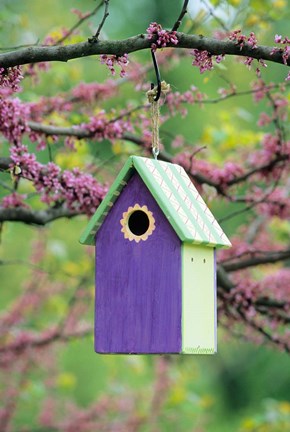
{"x":277,"y":203}
{"x":48,"y":105}
{"x":80,"y":191}
{"x":220,"y":176}
{"x":203,"y":60}
{"x":248,"y":293}
{"x":162,"y":38}
{"x":13,"y":119}
{"x":101,"y":128}
{"x":176,"y":100}
{"x":111,"y":60}
{"x":248,"y":62}
{"x":241,"y":249}
{"x":14,"y":200}
{"x":251,"y":40}
{"x":241,"y":39}
{"x":243,"y":295}
{"x":90,"y":92}
{"x":33,"y":69}
{"x":11,"y":77}
{"x":260,"y":89}
{"x":278,"y":283}
{"x":285,"y":51}
{"x":271,"y":148}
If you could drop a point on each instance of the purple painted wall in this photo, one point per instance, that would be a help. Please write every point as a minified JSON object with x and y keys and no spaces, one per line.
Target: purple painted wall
{"x":138,"y":285}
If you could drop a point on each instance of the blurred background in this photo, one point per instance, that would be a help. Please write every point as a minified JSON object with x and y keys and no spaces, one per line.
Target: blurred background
{"x":244,"y":387}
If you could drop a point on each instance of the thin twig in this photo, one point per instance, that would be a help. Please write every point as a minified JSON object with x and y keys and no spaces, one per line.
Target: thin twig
{"x":105,"y":16}
{"x":17,"y":47}
{"x":213,"y":15}
{"x":261,"y":330}
{"x":180,"y":18}
{"x":79,"y":23}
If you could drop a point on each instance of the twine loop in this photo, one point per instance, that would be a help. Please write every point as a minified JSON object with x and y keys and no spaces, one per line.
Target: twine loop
{"x":155,"y":115}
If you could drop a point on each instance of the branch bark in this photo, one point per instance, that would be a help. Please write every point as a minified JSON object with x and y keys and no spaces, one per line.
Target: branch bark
{"x":36,"y":54}
{"x":4,"y":163}
{"x":34,"y":217}
{"x":79,"y":132}
{"x":267,"y":258}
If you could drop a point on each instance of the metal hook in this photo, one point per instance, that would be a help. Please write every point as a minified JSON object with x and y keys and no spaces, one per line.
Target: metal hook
{"x":157,"y":77}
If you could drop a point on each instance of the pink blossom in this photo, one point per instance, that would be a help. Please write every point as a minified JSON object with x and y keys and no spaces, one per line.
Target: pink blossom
{"x":102,"y":128}
{"x":80,"y":191}
{"x":162,"y":37}
{"x":11,"y":77}
{"x":111,"y":60}
{"x":225,"y":92}
{"x":279,"y":39}
{"x":264,"y":119}
{"x":221,"y":176}
{"x":238,"y":37}
{"x":91,"y":92}
{"x":285,"y":52}
{"x":14,"y":200}
{"x":276,"y":203}
{"x":241,"y":39}
{"x":69,"y":142}
{"x":277,"y":283}
{"x":32,"y":70}
{"x":13,"y":119}
{"x":248,"y":62}
{"x":260,"y":90}
{"x":47,"y":414}
{"x":47,"y":105}
{"x":178,"y":141}
{"x":252,"y":40}
{"x":177,"y":101}
{"x":203,"y":60}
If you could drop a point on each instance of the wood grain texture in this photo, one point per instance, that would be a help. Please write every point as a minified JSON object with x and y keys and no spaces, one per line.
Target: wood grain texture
{"x":138,"y":285}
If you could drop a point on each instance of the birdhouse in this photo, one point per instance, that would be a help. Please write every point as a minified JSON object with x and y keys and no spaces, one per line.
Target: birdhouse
{"x":155,"y":244}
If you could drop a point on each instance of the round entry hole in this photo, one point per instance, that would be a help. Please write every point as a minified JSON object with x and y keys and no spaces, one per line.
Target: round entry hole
{"x":138,"y":222}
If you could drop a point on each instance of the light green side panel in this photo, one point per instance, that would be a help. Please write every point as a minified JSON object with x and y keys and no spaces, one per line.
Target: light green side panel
{"x":198,"y":300}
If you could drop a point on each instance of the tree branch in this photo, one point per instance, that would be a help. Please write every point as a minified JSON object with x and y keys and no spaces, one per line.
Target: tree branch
{"x":267,"y":258}
{"x":75,"y":131}
{"x":34,"y":217}
{"x":79,"y":132}
{"x":79,"y":23}
{"x":267,"y":166}
{"x":40,"y":342}
{"x":223,"y":279}
{"x":180,"y":18}
{"x":105,"y":16}
{"x":4,"y":163}
{"x":36,"y":54}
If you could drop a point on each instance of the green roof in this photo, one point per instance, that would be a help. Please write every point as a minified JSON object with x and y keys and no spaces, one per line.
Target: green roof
{"x":176,"y":196}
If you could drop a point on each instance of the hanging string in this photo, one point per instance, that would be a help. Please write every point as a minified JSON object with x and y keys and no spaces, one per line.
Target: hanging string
{"x":155,"y":115}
